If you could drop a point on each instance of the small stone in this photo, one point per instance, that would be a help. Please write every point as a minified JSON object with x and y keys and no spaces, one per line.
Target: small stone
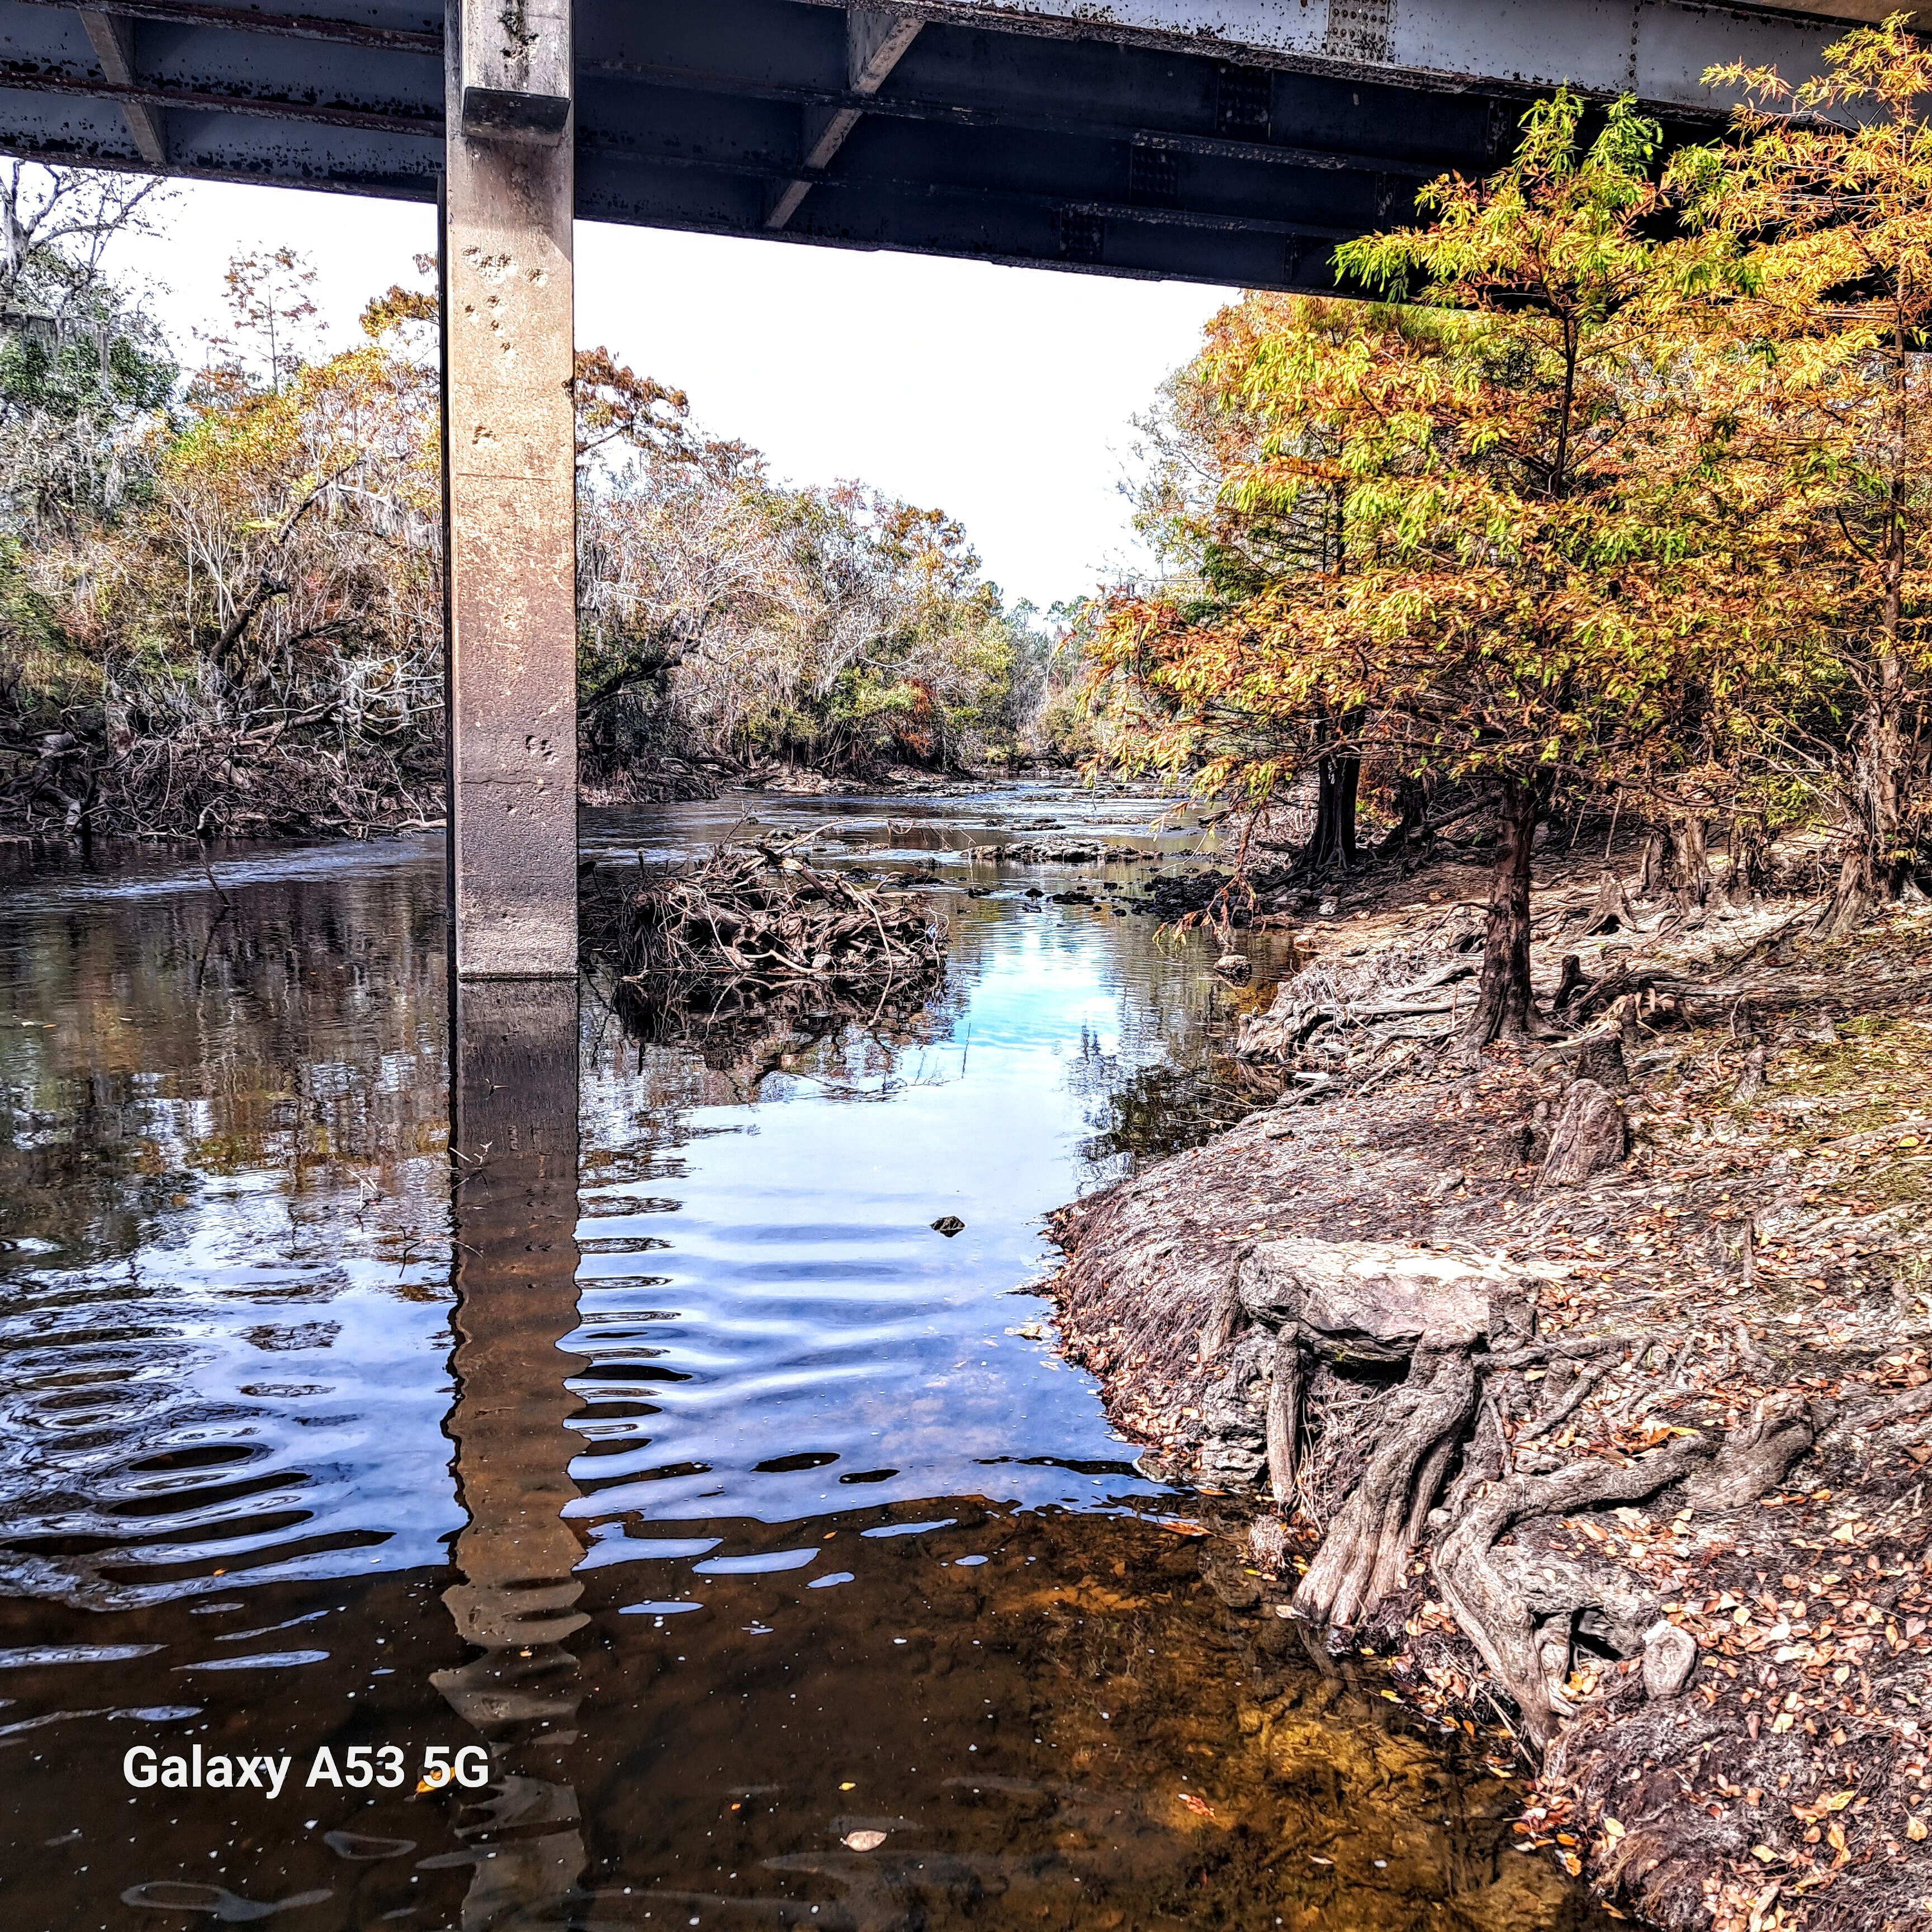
{"x":949,"y":1224}
{"x":863,"y":1841}
{"x":1669,"y":1657}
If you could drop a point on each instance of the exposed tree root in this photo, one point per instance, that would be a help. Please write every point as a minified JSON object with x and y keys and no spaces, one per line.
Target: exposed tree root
{"x":1510,"y":1623}
{"x":1722,"y":1639}
{"x":1524,"y":1610}
{"x":1755,"y":1458}
{"x":1362,"y":1558}
{"x":1454,"y":1321}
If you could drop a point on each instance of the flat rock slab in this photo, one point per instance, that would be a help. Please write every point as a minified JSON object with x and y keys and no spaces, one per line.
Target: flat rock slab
{"x":1375,"y":1300}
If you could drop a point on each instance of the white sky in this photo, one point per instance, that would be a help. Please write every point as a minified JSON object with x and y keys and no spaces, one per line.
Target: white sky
{"x":1002,"y":395}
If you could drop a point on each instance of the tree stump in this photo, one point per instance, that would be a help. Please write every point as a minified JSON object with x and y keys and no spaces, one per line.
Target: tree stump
{"x":1569,"y":983}
{"x":1590,"y":1135}
{"x":1602,"y":1060}
{"x":1612,"y":909}
{"x":1377,"y":1303}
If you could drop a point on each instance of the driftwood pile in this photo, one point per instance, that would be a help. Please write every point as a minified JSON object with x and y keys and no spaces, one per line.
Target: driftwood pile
{"x":286,"y":772}
{"x":756,"y":932}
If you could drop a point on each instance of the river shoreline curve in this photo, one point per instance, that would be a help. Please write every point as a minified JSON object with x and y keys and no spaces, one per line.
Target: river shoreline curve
{"x":1726,"y":1421}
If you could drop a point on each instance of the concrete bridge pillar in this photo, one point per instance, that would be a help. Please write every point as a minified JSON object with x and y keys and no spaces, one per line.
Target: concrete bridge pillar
{"x":510,"y":518}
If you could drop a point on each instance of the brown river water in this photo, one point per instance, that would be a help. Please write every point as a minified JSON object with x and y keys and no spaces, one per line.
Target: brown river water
{"x":615,"y":1427}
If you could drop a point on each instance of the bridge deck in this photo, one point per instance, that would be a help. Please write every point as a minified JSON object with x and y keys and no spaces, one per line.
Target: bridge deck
{"x":1222,"y":140}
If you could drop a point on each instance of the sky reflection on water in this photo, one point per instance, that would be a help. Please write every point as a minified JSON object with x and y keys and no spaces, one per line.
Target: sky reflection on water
{"x":740,"y":1523}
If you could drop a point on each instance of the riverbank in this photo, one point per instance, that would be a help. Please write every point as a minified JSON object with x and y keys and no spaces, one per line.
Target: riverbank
{"x":1712,"y":1420}
{"x":62,"y":788}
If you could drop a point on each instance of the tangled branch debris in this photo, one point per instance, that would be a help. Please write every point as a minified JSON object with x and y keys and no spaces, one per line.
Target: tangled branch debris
{"x":755,"y":922}
{"x":166,"y":761}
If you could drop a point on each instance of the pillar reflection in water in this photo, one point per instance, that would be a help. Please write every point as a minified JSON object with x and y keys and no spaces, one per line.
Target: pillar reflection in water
{"x":513,"y":1127}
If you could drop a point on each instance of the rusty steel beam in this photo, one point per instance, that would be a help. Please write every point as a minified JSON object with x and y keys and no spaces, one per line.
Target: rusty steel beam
{"x":150,"y":95}
{"x":281,"y":26}
{"x":112,"y":36}
{"x":1117,"y":105}
{"x":1656,"y":49}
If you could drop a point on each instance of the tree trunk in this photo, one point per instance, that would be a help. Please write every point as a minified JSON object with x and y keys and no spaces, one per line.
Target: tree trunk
{"x":1656,"y":863}
{"x":1340,"y":775}
{"x":1877,"y":867}
{"x":1503,"y":1008}
{"x":1412,"y":800}
{"x":1689,"y":863}
{"x":1745,"y":877}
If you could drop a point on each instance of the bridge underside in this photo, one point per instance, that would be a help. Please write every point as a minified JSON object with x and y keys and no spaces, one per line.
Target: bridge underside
{"x":1230,"y":141}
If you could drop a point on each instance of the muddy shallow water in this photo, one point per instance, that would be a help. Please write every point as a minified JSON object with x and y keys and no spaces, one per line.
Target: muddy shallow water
{"x":744,"y":1528}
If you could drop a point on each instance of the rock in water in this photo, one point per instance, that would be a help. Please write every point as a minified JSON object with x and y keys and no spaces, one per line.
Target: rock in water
{"x":1267,"y":1542}
{"x":1590,"y":1136}
{"x":949,"y":1224}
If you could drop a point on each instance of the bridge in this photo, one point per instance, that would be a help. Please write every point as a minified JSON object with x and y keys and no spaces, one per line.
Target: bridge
{"x":1225,"y":141}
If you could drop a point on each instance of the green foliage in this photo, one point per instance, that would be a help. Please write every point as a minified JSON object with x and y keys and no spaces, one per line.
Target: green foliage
{"x":66,"y":381}
{"x":1458,"y":534}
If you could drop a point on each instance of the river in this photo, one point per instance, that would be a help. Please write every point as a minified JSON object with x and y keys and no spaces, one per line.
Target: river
{"x":744,"y":1529}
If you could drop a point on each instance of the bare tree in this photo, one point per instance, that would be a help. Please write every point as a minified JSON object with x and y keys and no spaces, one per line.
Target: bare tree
{"x":56,"y":226}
